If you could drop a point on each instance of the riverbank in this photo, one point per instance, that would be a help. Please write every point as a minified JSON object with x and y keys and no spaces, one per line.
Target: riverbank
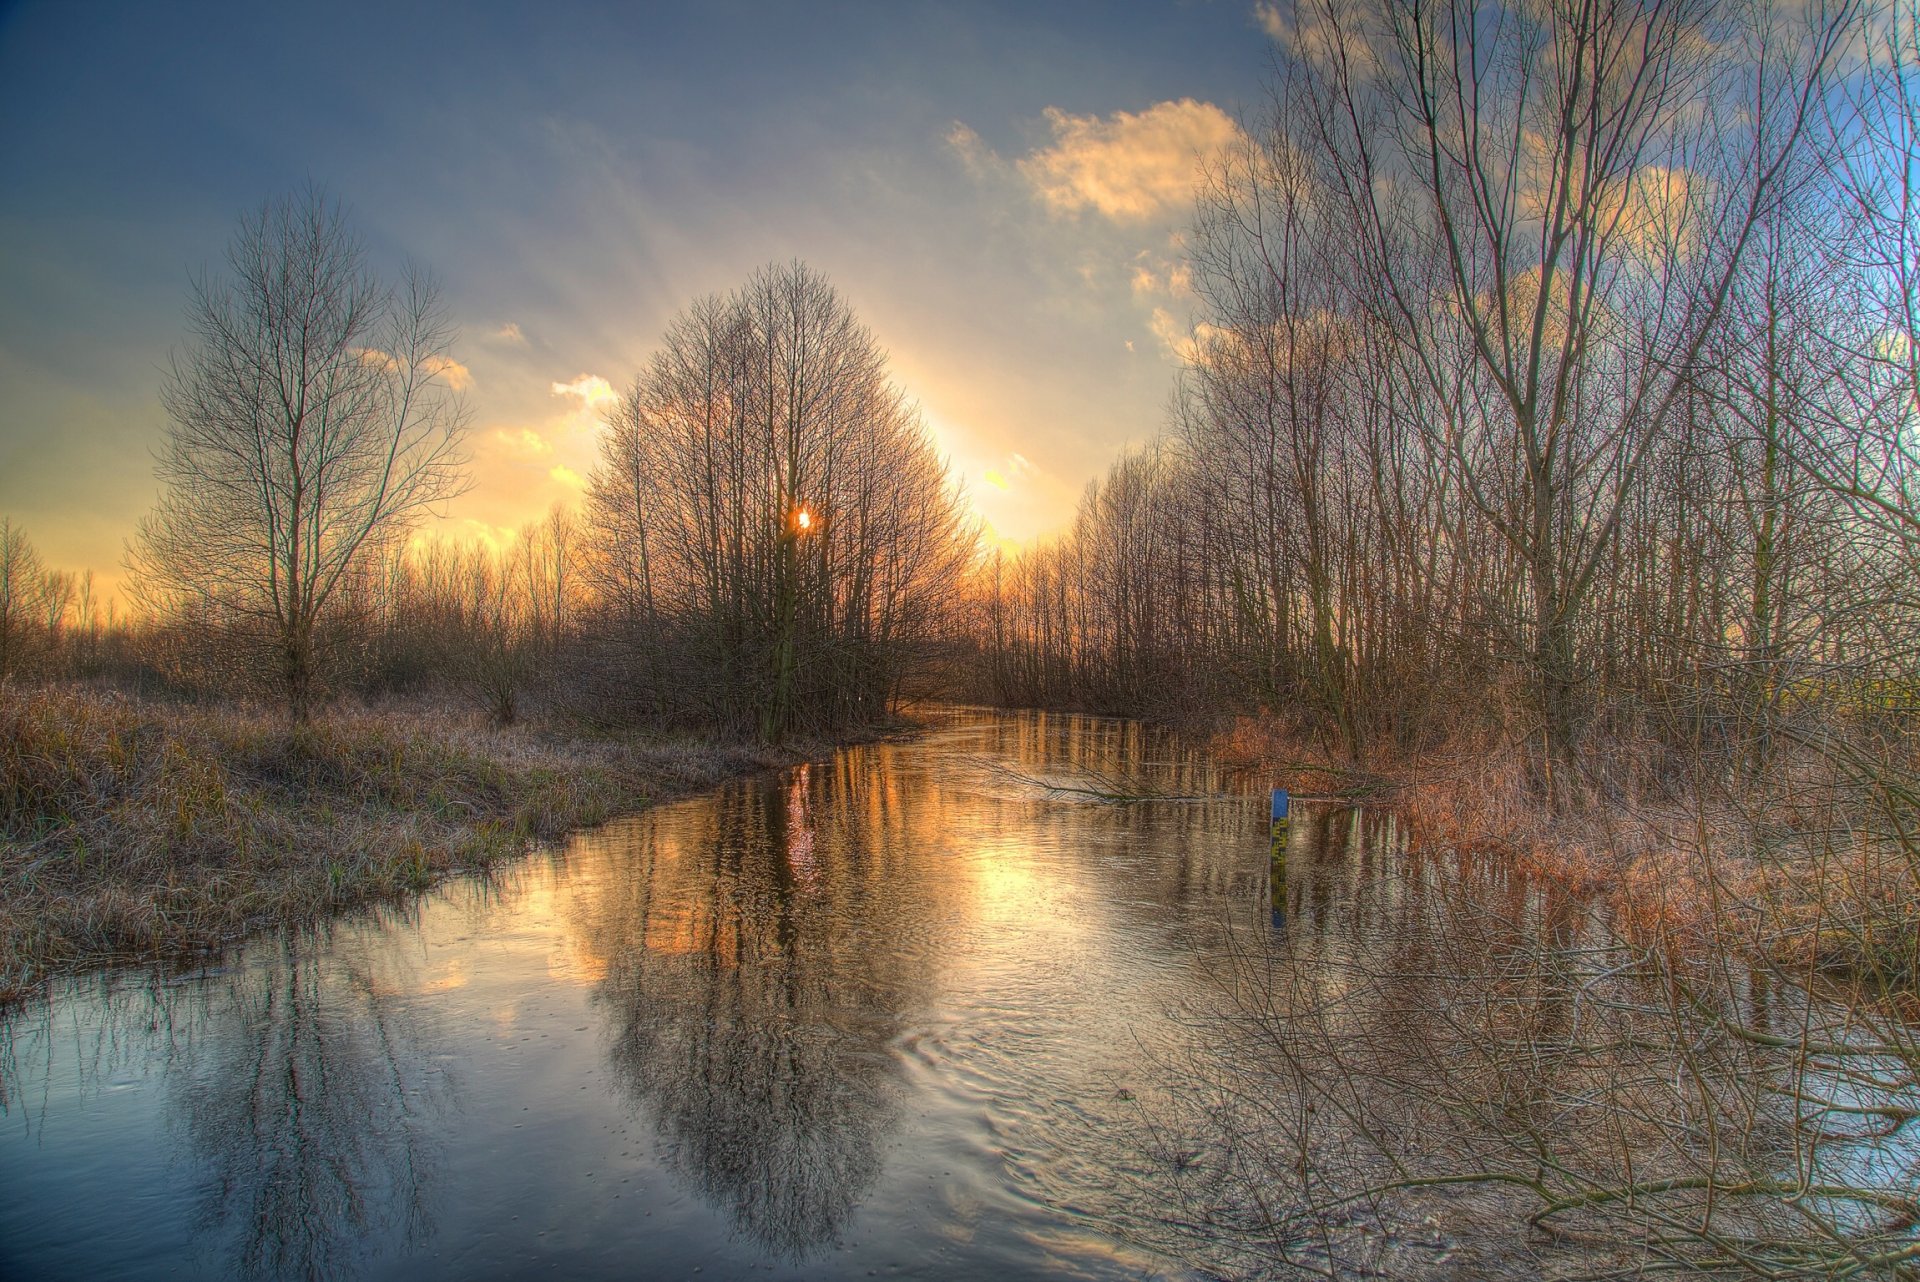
{"x":135,"y":831}
{"x":1810,"y":866}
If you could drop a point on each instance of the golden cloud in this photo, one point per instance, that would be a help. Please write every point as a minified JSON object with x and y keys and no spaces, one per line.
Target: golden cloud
{"x":1129,"y":167}
{"x":1153,"y":275}
{"x":458,"y":376}
{"x":523,"y":441}
{"x":468,"y":532}
{"x":1191,"y":344}
{"x":973,"y":151}
{"x":1660,"y":211}
{"x":1894,"y":346}
{"x":1323,"y":33}
{"x":592,"y":391}
{"x":1014,"y":467}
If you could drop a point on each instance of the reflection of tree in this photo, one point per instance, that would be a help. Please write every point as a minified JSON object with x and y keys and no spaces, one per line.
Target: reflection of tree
{"x":1181,"y":859}
{"x":297,"y":1082}
{"x":750,"y":1015}
{"x":307,"y":1100}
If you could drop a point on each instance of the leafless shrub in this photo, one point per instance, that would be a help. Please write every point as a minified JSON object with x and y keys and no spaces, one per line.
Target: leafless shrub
{"x":312,"y":423}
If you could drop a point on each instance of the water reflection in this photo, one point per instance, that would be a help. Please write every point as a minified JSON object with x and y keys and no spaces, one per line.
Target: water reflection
{"x":751,"y":1003}
{"x":1444,"y":1055}
{"x":302,"y":1089}
{"x":307,"y":1095}
{"x":882,"y":1005}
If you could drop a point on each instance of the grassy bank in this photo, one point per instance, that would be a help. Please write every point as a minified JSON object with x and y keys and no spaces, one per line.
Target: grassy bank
{"x":132,"y":831}
{"x":1684,"y":1038}
{"x":1810,"y":866}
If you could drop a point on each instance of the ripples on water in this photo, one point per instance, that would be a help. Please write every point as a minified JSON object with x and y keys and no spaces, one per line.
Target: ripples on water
{"x":888,"y":1012}
{"x":905,"y":1012}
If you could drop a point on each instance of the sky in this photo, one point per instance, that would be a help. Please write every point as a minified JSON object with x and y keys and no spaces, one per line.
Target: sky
{"x":998,"y":190}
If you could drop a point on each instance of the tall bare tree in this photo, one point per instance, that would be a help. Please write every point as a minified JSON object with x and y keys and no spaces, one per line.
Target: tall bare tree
{"x":312,"y":420}
{"x":770,"y":524}
{"x":23,"y":597}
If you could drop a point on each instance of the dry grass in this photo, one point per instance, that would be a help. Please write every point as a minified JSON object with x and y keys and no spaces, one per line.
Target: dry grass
{"x":1807,"y":864}
{"x":132,"y":831}
{"x":1698,"y":1046}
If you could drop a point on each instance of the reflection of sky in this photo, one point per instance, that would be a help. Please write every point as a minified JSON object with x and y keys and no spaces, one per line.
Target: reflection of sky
{"x":998,"y":192}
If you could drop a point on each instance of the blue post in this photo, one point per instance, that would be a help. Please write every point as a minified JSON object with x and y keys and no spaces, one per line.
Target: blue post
{"x":1277,"y":872}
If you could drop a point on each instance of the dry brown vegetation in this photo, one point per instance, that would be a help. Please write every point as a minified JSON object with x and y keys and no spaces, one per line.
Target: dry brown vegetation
{"x":132,"y":830}
{"x":1795,"y":867}
{"x":1670,"y":1026}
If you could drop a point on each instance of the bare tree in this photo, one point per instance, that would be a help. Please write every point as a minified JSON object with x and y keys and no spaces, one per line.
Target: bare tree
{"x":312,"y":420}
{"x":1576,"y":189}
{"x":22,"y":597}
{"x":771,"y":528}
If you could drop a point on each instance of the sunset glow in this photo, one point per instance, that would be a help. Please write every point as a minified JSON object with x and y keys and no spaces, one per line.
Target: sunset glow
{"x":1000,"y":192}
{"x":746,"y":638}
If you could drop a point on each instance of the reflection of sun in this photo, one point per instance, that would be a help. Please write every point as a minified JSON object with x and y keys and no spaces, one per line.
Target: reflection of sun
{"x":456,"y":974}
{"x":543,"y":911}
{"x":564,"y":961}
{"x":800,"y":826}
{"x":1005,"y":883}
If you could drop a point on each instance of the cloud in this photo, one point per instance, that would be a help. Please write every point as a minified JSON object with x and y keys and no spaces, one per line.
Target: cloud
{"x":1894,"y":346}
{"x":524,"y":441}
{"x":973,"y":151}
{"x":567,"y":476}
{"x":1156,"y":275}
{"x":1129,"y":167}
{"x":1320,"y":38}
{"x":1192,"y":344}
{"x":1661,"y":211}
{"x":592,"y":390}
{"x":509,"y":333}
{"x":458,"y":376}
{"x":467,"y":532}
{"x":1014,"y":467}
{"x":1170,"y":331}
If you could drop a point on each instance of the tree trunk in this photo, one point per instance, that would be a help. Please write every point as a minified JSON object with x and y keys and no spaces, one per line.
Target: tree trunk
{"x":297,"y":656}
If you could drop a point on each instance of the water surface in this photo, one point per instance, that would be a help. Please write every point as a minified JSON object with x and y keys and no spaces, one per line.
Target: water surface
{"x":892,"y":1013}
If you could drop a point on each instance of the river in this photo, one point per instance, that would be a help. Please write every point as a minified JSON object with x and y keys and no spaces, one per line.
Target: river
{"x":927,"y":1009}
{"x":892,"y":1013}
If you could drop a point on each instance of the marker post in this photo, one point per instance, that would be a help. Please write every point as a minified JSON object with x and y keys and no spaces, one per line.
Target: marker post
{"x":1277,"y":873}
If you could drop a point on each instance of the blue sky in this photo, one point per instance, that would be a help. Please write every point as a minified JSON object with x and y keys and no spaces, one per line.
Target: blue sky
{"x":997,"y":189}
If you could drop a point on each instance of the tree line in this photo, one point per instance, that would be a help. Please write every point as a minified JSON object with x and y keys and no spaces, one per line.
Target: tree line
{"x":769,"y":541}
{"x":1553,"y":376}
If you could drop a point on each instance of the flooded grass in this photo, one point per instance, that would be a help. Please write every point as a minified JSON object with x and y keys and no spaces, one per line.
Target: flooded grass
{"x":132,"y":831}
{"x":1812,"y":866}
{"x":1667,"y":1027}
{"x":1446,"y":1066}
